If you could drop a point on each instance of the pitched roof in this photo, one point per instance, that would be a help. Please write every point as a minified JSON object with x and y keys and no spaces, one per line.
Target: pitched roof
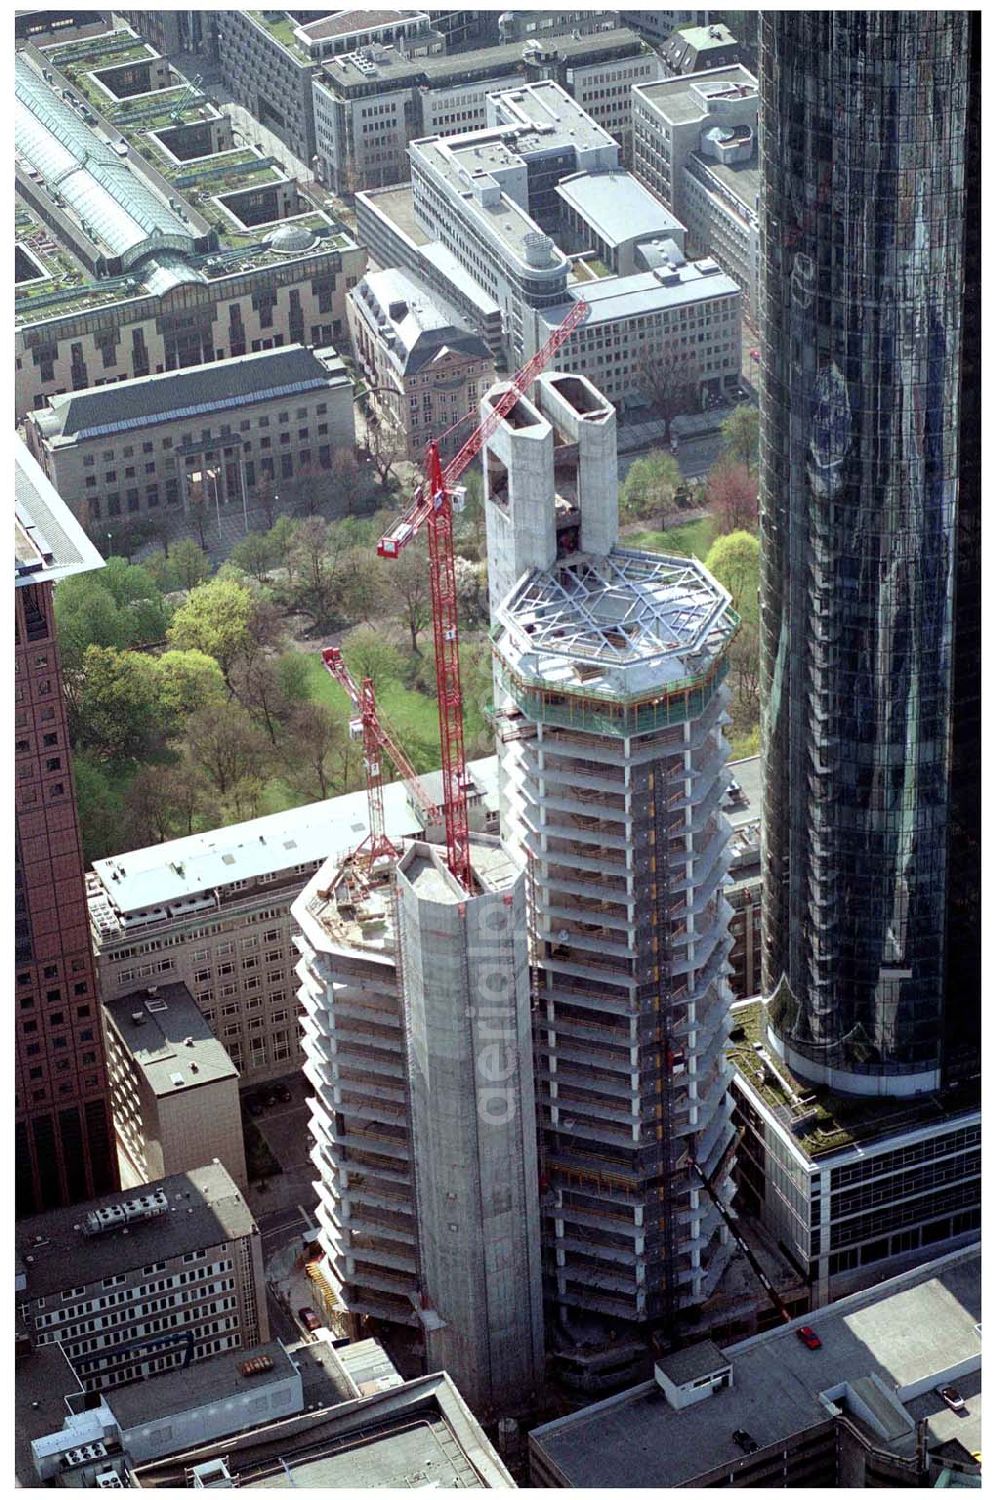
{"x":201,"y":388}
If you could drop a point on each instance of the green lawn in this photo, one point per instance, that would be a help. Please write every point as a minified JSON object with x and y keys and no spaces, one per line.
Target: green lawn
{"x":693,"y":539}
{"x":411,"y":716}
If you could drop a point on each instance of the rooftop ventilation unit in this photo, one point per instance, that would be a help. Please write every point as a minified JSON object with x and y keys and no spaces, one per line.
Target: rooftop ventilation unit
{"x":120,"y":1215}
{"x":109,"y":1481}
{"x":87,"y":1453}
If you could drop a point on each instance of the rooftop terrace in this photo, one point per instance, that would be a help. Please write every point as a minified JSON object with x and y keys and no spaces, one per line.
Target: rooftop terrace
{"x":820,"y":1121}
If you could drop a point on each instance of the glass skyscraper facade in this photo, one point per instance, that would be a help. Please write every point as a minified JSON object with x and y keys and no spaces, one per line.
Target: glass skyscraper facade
{"x":869,"y":514}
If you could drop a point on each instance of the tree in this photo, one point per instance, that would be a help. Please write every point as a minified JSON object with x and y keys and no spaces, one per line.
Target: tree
{"x":314,"y":585}
{"x":189,"y":680}
{"x":119,"y":605}
{"x":281,"y":537}
{"x":215,"y":618}
{"x":352,"y":482}
{"x":734,"y":560}
{"x":98,"y":808}
{"x":189,"y":564}
{"x":650,"y":489}
{"x":741,"y":432}
{"x":470,"y":586}
{"x":731,"y":494}
{"x":255,"y":554}
{"x":320,"y":749}
{"x":116,"y":706}
{"x":364,"y":586}
{"x":223,"y":742}
{"x":410,"y":591}
{"x":386,"y":446}
{"x":670,"y":381}
{"x":368,"y":654}
{"x":162,"y":802}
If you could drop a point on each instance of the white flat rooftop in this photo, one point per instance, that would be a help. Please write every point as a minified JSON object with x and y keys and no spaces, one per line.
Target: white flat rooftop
{"x":618,"y":626}
{"x":617,"y":297}
{"x":200,"y":863}
{"x":617,"y":207}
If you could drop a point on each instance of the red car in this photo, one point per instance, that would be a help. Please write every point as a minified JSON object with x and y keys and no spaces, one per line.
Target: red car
{"x":755,"y":356}
{"x":309,"y":1319}
{"x":809,"y":1338}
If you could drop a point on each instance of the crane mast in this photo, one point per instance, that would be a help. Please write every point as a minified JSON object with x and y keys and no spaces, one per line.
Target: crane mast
{"x":431,"y":507}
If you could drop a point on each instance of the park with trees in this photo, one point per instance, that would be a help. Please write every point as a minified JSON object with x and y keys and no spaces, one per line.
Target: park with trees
{"x":197,"y":696}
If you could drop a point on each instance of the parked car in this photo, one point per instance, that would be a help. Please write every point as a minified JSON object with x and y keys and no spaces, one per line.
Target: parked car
{"x":309,"y":1320}
{"x":744,"y":1441}
{"x":272,"y":1098}
{"x":952,"y":1397}
{"x":809,"y":1338}
{"x":284,"y":1093}
{"x":254,"y":1106}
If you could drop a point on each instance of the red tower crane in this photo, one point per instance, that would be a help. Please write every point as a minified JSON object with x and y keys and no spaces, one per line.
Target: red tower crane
{"x":432,"y":506}
{"x":376,"y":741}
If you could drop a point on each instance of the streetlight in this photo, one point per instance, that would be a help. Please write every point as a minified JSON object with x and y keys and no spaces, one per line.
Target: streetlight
{"x":109,"y":543}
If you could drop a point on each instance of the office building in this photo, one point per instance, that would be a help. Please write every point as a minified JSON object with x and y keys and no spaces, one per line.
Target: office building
{"x":425,"y":366}
{"x":418,"y":1046}
{"x":269,"y":59}
{"x":144,"y":1424}
{"x":207,"y":436}
{"x":172,"y":32}
{"x":496,"y":200}
{"x":147,"y":239}
{"x":174,"y":1091}
{"x":695,"y":145}
{"x":417,"y":1433}
{"x":657,"y":25}
{"x":696,"y":49}
{"x":862,"y":1409}
{"x":869,"y":517}
{"x":610,"y":671}
{"x":144,"y":1281}
{"x":852,"y":1189}
{"x":367,"y":109}
{"x":63,"y":1139}
{"x":676,"y":318}
{"x":211,"y":911}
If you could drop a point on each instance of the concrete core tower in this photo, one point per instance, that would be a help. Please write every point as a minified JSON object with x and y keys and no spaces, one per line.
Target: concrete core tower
{"x":610,"y":670}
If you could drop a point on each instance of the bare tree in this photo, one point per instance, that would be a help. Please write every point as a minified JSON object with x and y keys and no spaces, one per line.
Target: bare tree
{"x":670,"y":381}
{"x":386,"y":447}
{"x":410,"y":589}
{"x":320,"y":750}
{"x":731,"y":493}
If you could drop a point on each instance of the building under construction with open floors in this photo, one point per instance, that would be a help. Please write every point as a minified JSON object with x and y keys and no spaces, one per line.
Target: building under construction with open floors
{"x":610,"y":669}
{"x":418,"y":1045}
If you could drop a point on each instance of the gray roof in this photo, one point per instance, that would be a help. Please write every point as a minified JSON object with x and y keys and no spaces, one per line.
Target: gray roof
{"x":618,"y":207}
{"x":119,"y":209}
{"x":483,"y":62}
{"x":171,"y":1041}
{"x":415,"y":325}
{"x":703,"y":1358}
{"x":205,"y":1208}
{"x":181,"y":1390}
{"x":616,"y":297}
{"x":195,"y":391}
{"x":42,"y":1381}
{"x":49,"y":542}
{"x":683,"y":100}
{"x":910,"y":1331}
{"x":418,"y":1435}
